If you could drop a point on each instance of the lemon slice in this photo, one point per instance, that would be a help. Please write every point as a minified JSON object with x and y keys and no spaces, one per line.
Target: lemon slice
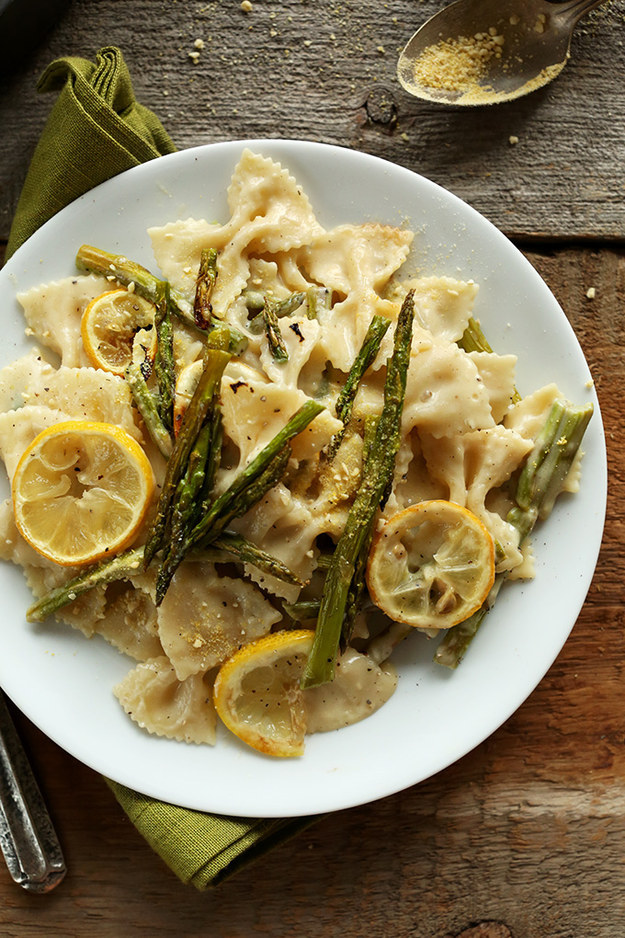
{"x":431,"y":565}
{"x":109,"y":325}
{"x":81,"y":490}
{"x":257,"y":692}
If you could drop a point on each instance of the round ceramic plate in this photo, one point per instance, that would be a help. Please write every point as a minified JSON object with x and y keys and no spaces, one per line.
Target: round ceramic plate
{"x":63,"y":682}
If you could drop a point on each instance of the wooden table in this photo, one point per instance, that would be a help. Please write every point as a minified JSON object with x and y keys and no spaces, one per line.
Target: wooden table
{"x":526,"y":835}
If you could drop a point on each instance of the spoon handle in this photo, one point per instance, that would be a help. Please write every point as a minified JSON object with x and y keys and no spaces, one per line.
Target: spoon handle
{"x":27,"y":837}
{"x":572,"y":10}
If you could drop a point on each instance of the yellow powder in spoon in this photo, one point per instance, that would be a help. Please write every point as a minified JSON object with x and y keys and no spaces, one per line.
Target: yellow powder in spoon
{"x":458,"y":64}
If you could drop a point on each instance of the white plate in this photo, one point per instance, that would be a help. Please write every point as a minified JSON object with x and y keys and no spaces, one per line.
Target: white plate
{"x":63,"y":682}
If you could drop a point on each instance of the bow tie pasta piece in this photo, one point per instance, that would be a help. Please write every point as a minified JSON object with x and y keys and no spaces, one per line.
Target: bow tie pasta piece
{"x":59,"y":395}
{"x":356,"y":263}
{"x":443,"y":305}
{"x":158,"y":702}
{"x":255,"y":409}
{"x":123,"y":614}
{"x":87,"y":393}
{"x":269,"y":214}
{"x":23,"y":376}
{"x":276,"y":278}
{"x":289,"y":272}
{"x":265,"y":195}
{"x":445,"y":393}
{"x":18,"y":429}
{"x":528,"y":415}
{"x":473,"y":464}
{"x":497,"y":373}
{"x":412,"y":481}
{"x":284,"y":526}
{"x":300,"y":337}
{"x":54,"y":312}
{"x":205,"y":617}
{"x":129,"y":620}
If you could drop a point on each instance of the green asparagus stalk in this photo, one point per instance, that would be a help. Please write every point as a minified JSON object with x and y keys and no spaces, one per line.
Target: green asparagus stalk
{"x":185,"y":504}
{"x":180,"y":540}
{"x":224,"y":504}
{"x":303,"y":610}
{"x":246,"y":552}
{"x":122,"y":567}
{"x":227,"y":548}
{"x":272,"y":330}
{"x":146,"y":406}
{"x":365,"y":357}
{"x":473,"y":339}
{"x":358,"y":584}
{"x":255,"y":302}
{"x":213,"y":460}
{"x":538,"y":486}
{"x":249,"y":487}
{"x":215,"y":361}
{"x":128,"y":272}
{"x":317,"y":298}
{"x":455,"y":644}
{"x":548,"y":465}
{"x":205,"y":284}
{"x":164,"y":365}
{"x":354,"y":540}
{"x":226,"y":508}
{"x":181,"y":537}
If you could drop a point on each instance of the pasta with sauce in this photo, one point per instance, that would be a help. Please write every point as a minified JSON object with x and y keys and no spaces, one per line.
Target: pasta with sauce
{"x":464,"y":435}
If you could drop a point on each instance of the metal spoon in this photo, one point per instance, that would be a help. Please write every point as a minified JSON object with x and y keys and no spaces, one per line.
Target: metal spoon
{"x":27,"y":837}
{"x":489,"y":51}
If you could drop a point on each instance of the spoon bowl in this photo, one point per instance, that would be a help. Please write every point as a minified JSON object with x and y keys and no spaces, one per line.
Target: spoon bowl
{"x":477,"y":52}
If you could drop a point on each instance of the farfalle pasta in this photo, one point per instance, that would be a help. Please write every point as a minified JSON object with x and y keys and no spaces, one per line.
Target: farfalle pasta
{"x":242,"y":550}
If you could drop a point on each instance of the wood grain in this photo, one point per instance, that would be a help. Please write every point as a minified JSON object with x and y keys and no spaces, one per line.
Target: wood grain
{"x":522,"y":838}
{"x":326,"y":71}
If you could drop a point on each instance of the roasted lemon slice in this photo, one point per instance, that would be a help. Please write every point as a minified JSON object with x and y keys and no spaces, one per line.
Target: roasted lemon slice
{"x":431,"y":565}
{"x":257,"y":692}
{"x":81,"y":490}
{"x":109,"y":325}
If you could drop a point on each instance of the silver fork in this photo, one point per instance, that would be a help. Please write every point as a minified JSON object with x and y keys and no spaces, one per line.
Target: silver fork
{"x":28,"y":839}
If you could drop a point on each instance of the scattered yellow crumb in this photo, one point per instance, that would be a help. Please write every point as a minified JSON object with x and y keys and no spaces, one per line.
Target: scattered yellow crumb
{"x":591,"y":293}
{"x":513,"y":140}
{"x":246,"y":6}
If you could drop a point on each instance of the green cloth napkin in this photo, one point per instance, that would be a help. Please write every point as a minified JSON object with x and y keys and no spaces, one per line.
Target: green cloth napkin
{"x":95,"y":130}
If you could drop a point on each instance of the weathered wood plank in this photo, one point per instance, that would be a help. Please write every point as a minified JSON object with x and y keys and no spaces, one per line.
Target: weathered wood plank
{"x":326,"y":71}
{"x":526,"y":834}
